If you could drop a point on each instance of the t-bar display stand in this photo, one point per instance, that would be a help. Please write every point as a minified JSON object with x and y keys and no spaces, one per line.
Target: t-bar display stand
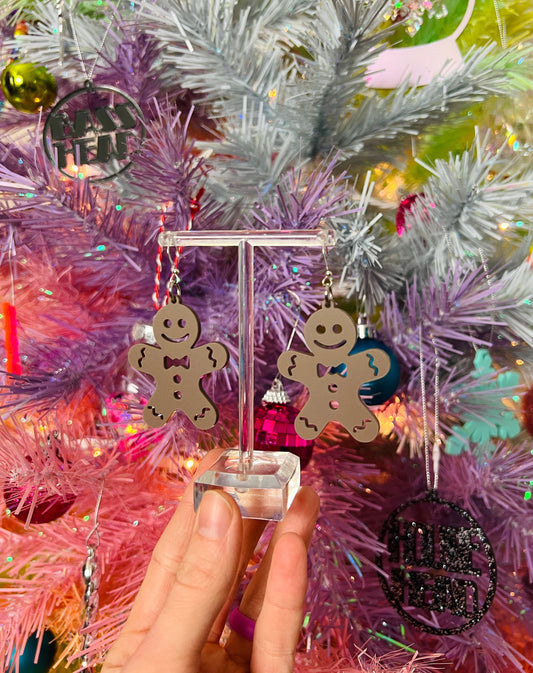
{"x":263,"y":483}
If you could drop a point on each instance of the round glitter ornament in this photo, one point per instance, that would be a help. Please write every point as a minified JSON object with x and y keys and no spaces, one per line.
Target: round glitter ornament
{"x":274,"y":426}
{"x":45,"y":660}
{"x":405,"y":207}
{"x":440,"y":567}
{"x":28,"y":87}
{"x":527,"y":409}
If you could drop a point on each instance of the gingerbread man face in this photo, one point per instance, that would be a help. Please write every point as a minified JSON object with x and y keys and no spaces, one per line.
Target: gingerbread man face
{"x":330,"y":333}
{"x":176,"y":328}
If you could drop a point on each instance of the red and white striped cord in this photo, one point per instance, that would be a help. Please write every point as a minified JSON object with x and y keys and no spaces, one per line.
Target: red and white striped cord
{"x":159,"y":261}
{"x":194,"y":210}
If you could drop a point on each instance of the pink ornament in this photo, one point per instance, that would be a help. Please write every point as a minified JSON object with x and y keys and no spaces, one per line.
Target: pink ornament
{"x":274,"y":431}
{"x":405,"y":207}
{"x":39,"y":505}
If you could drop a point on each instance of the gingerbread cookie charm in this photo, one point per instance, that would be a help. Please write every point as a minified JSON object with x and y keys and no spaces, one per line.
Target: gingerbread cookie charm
{"x":330,"y":334}
{"x":178,"y":367}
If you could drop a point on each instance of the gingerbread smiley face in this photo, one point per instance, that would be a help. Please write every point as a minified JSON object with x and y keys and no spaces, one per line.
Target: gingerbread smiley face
{"x":331,"y":334}
{"x":176,"y":328}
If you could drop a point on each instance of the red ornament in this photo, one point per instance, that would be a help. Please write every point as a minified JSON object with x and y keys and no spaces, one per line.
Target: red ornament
{"x":40,"y":506}
{"x":527,"y":408}
{"x":405,"y":207}
{"x":274,"y":426}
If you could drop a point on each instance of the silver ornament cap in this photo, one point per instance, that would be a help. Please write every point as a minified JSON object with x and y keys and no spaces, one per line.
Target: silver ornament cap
{"x":276,"y":394}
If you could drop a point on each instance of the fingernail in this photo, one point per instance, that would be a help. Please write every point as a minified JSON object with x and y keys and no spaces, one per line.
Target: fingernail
{"x":214,"y":516}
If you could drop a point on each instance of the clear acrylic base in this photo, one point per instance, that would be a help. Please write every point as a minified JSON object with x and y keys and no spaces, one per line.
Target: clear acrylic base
{"x":265,"y":491}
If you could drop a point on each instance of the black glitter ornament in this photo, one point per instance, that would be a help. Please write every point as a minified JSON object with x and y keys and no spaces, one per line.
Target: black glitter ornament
{"x":440,"y":568}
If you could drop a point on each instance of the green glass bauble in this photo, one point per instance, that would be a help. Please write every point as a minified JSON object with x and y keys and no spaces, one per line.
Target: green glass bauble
{"x":28,"y":87}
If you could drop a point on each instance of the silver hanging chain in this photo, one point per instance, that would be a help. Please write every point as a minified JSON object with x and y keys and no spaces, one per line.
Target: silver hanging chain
{"x":502,"y":28}
{"x":424,"y":410}
{"x":90,"y":73}
{"x":91,"y":578}
{"x":492,"y":296}
{"x":60,"y":24}
{"x":437,"y":441}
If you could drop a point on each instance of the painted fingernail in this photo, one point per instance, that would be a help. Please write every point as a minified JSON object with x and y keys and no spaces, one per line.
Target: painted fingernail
{"x":214,"y":516}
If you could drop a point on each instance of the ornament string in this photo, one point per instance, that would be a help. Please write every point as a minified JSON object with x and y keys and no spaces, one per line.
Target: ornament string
{"x":430,"y":464}
{"x":88,"y":73}
{"x":91,"y":578}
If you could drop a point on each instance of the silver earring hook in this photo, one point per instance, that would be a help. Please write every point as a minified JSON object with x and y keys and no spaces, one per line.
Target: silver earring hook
{"x":327,"y":281}
{"x":173,"y":285}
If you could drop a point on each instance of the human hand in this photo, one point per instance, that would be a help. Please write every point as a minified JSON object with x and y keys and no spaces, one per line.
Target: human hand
{"x":181,"y":608}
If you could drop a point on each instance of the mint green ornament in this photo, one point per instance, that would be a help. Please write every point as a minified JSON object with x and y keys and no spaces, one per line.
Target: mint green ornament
{"x":496,"y":421}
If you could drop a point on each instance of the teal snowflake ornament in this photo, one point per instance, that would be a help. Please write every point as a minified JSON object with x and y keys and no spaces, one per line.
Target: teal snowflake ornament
{"x":494,"y":419}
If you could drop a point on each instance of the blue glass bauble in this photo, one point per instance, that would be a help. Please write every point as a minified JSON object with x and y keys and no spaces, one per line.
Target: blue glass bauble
{"x":47,"y":654}
{"x":382,"y":389}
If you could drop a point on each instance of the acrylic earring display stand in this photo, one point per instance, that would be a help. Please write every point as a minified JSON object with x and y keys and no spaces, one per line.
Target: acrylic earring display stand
{"x":262,"y":483}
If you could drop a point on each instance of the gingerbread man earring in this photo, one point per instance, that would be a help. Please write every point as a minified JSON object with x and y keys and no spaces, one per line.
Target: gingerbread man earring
{"x":177,"y":365}
{"x":333,"y":376}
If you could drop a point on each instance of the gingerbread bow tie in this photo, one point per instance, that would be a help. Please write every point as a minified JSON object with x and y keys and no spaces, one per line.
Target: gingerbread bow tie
{"x":176,"y":362}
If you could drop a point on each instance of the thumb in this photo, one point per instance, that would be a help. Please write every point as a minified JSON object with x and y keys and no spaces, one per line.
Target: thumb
{"x":204,"y":577}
